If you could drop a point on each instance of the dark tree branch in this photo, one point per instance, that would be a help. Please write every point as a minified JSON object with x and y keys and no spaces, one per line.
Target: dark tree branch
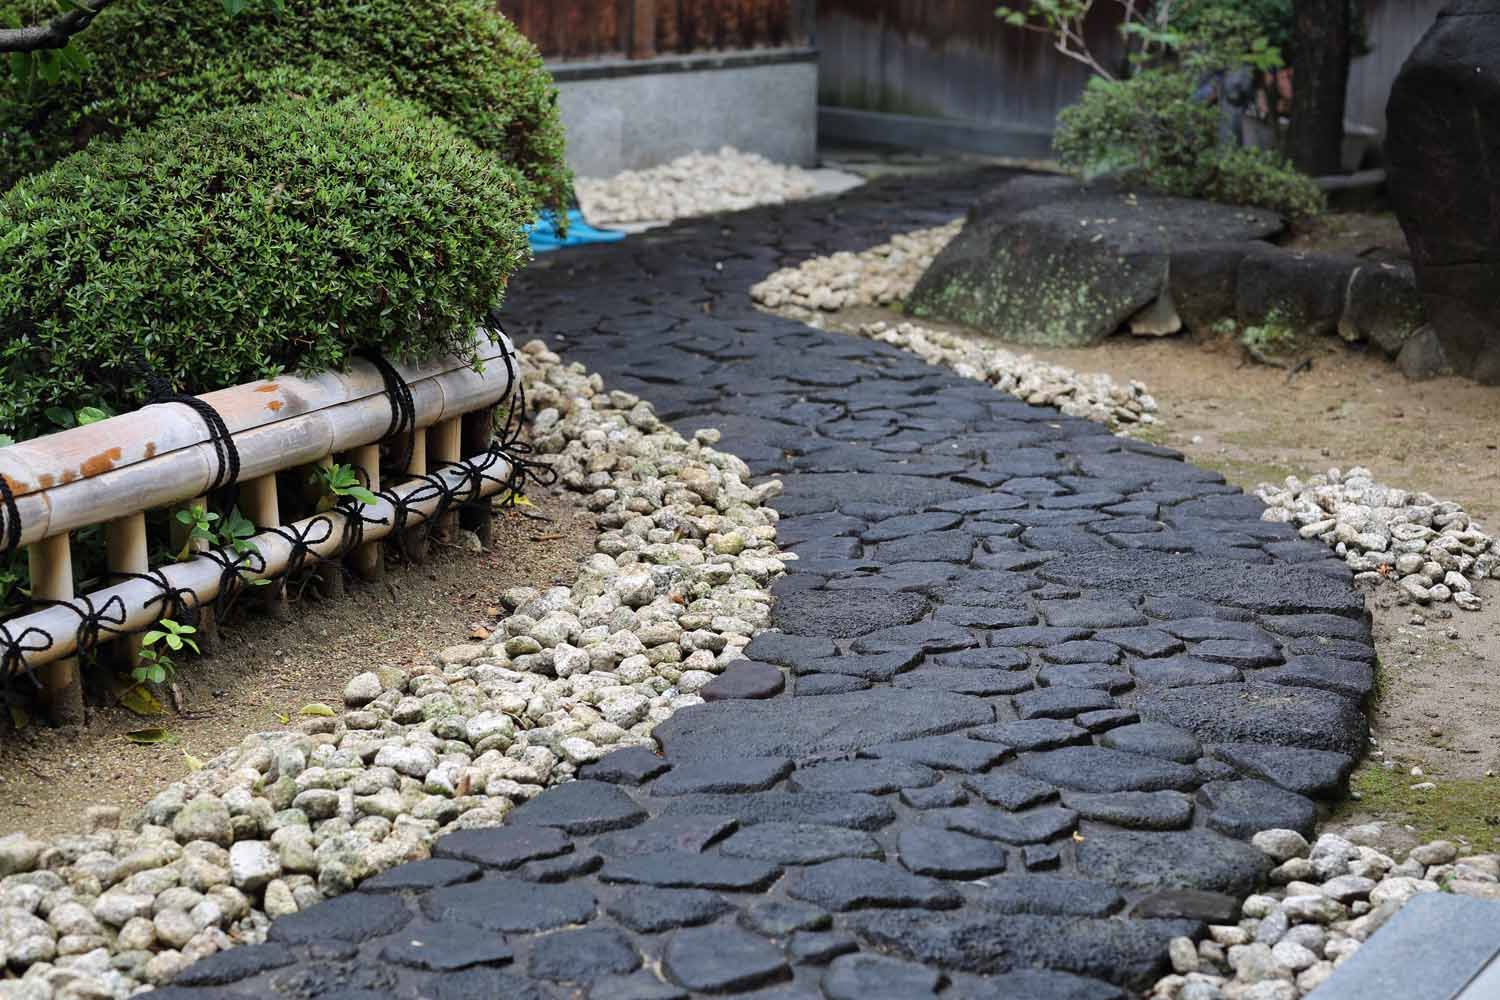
{"x":56,"y":33}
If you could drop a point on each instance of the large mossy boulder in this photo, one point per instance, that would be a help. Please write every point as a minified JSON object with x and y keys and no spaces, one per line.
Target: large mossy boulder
{"x":1443,"y":146}
{"x":1051,"y":261}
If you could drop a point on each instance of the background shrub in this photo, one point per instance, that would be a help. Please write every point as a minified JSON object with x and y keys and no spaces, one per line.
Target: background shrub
{"x":458,"y":59}
{"x":235,"y":244}
{"x":1151,"y":132}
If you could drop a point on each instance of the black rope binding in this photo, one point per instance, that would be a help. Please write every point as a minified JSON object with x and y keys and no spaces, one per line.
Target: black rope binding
{"x":402,"y":428}
{"x":10,"y":519}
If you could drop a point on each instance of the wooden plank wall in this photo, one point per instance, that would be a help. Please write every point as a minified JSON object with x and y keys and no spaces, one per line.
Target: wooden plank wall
{"x":947,"y":59}
{"x":639,"y":29}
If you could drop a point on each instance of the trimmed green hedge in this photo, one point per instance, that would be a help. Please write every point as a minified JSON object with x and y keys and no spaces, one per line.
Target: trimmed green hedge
{"x":459,"y":59}
{"x":235,"y":244}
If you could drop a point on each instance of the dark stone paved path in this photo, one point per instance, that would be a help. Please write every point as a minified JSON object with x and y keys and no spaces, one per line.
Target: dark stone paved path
{"x":1042,"y":683}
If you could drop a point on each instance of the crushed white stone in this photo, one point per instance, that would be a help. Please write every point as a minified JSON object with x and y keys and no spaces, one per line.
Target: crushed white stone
{"x":696,"y":184}
{"x":1326,"y":900}
{"x":879,"y":276}
{"x":1429,"y":548}
{"x":1093,"y":396}
{"x":675,"y":588}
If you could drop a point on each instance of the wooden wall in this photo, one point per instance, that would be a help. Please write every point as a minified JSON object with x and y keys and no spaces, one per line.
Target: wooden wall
{"x":639,"y":29}
{"x":947,"y":59}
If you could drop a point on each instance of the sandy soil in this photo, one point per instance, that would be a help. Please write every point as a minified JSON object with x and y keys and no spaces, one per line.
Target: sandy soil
{"x":264,"y":671}
{"x":1440,"y":667}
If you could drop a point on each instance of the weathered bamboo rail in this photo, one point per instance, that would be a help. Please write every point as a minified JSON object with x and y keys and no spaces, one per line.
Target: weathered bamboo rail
{"x":164,"y":456}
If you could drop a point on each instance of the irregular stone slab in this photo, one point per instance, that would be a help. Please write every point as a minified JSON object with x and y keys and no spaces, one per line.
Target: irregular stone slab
{"x":468,"y":984}
{"x":1265,"y":588}
{"x":631,"y":766}
{"x":641,"y":985}
{"x":1032,"y":827}
{"x":579,"y":808}
{"x":1095,"y":769}
{"x":937,"y":797}
{"x":355,"y":917}
{"x":649,"y":911}
{"x":1049,"y":895}
{"x":722,"y":960}
{"x":1010,"y":791}
{"x":583,"y":956}
{"x":929,"y":637}
{"x":1090,"y":613}
{"x":1345,"y":677}
{"x":845,"y":614}
{"x":666,"y":833}
{"x":948,"y":753}
{"x":1182,"y":671}
{"x":748,"y":774}
{"x":803,"y":727}
{"x":415,"y":876}
{"x":1314,"y":773}
{"x":1085,"y":675}
{"x":780,"y":917}
{"x":911,"y":524}
{"x":1192,"y":859}
{"x":510,"y":905}
{"x":1103,"y":720}
{"x":1134,"y":810}
{"x":1260,"y":713}
{"x":789,"y":650}
{"x":856,"y":812}
{"x":1244,"y":808}
{"x":502,"y":847}
{"x":1061,"y":702}
{"x":984,"y":659}
{"x":1128,"y":952}
{"x":445,"y":947}
{"x":982,"y":683}
{"x":1031,"y":734}
{"x":813,"y":685}
{"x":745,"y":679}
{"x":948,"y":854}
{"x":814,"y":948}
{"x":850,"y":884}
{"x":684,"y":870}
{"x":800,"y":843}
{"x":991,"y":615}
{"x":1153,"y":739}
{"x":1082,"y":651}
{"x":881,"y":667}
{"x":1142,"y":641}
{"x":235,"y":964}
{"x":872,"y":777}
{"x":1050,"y":261}
{"x":910,"y":493}
{"x":561,"y":869}
{"x":877,"y":977}
{"x":1238,"y":652}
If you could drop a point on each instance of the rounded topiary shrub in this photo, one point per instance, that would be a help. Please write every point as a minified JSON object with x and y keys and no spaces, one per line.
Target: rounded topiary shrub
{"x":228,"y":246}
{"x":459,"y":59}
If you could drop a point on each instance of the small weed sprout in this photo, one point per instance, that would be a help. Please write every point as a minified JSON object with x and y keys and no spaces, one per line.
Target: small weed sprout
{"x":157,"y":665}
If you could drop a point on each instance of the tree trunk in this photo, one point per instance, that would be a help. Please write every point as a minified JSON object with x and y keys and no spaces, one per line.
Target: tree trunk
{"x":1322,"y":31}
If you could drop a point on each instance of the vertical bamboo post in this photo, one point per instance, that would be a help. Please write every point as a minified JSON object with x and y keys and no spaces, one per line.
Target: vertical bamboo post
{"x":445,"y":444}
{"x":125,"y":544}
{"x":367,"y":560}
{"x":259,"y":503}
{"x":479,"y":431}
{"x":330,"y":574}
{"x":51,"y":565}
{"x":413,"y":541}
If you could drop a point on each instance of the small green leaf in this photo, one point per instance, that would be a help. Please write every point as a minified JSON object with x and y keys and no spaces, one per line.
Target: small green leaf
{"x":91,"y":415}
{"x":317,"y":708}
{"x":283,"y":718}
{"x":61,"y":417}
{"x":363,"y":495}
{"x":153,"y":637}
{"x":148,"y":737}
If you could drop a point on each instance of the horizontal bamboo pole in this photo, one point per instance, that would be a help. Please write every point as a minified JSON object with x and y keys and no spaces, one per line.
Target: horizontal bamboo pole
{"x":201,"y":575}
{"x":160,"y":455}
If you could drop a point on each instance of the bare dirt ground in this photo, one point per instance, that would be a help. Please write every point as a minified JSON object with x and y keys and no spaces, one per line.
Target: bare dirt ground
{"x":264,"y":670}
{"x":1438,"y":708}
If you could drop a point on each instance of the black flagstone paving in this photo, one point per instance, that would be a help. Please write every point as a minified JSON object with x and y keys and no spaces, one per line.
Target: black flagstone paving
{"x":1036,"y":686}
